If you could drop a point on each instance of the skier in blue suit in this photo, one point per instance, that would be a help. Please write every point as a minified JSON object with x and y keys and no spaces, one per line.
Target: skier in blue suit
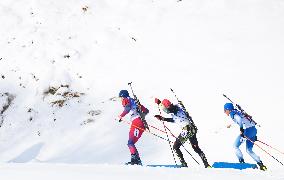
{"x":247,"y":133}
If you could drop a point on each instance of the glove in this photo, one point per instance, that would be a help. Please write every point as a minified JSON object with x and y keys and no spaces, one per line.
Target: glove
{"x":119,"y":118}
{"x":242,"y":132}
{"x":159,"y":117}
{"x":157,"y":101}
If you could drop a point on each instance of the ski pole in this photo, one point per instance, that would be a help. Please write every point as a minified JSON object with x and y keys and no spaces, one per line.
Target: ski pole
{"x":163,"y":130}
{"x":168,"y":137}
{"x":159,"y":137}
{"x":160,"y":130}
{"x":190,"y":119}
{"x":175,"y":95}
{"x":180,"y":102}
{"x":183,"y":146}
{"x":264,"y":150}
{"x":145,"y":130}
{"x":270,"y":146}
{"x":157,"y":128}
{"x":228,"y":98}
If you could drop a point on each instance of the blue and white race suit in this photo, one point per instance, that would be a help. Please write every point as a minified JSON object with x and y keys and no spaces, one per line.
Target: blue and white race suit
{"x":249,"y":132}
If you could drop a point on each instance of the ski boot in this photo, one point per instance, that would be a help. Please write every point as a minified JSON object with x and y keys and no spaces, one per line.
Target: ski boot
{"x":135,"y":160}
{"x":262,"y":166}
{"x":205,"y":162}
{"x":207,"y":165}
{"x":183,"y":164}
{"x":241,"y":160}
{"x":182,"y":161}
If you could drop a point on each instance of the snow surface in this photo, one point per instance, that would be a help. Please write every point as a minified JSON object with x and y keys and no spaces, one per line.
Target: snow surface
{"x":89,"y":50}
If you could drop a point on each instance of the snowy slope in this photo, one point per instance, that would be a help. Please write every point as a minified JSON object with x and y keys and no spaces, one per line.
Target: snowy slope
{"x":62,"y":64}
{"x":88,"y":172}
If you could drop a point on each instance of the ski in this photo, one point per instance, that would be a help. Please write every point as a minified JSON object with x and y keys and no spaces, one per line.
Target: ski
{"x":164,"y":165}
{"x":228,"y":165}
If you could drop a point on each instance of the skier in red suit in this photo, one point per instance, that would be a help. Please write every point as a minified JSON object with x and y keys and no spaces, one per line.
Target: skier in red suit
{"x":137,"y":127}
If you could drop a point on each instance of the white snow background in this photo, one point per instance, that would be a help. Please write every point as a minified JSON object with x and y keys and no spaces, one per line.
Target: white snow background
{"x":63,"y":62}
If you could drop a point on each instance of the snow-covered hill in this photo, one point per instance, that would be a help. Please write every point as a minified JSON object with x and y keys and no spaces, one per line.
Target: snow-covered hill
{"x":62,"y":64}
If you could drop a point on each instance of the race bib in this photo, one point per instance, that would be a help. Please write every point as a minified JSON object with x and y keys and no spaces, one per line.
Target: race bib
{"x":136,"y":132}
{"x":184,"y":133}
